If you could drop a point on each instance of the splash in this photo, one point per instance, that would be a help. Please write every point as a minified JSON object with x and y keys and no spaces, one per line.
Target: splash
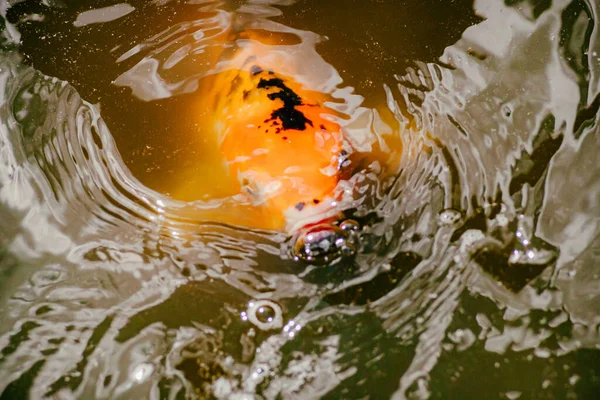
{"x":479,"y":243}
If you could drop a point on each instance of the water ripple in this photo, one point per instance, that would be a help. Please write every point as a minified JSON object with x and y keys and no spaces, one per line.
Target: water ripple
{"x":480,"y":238}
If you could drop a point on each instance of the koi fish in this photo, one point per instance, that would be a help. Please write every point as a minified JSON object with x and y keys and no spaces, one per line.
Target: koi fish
{"x":281,"y":154}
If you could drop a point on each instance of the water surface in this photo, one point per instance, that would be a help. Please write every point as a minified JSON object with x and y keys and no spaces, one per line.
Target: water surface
{"x":478,"y":274}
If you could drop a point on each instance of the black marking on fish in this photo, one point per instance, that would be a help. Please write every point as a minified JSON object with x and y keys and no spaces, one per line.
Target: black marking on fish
{"x":300,"y":206}
{"x":290,"y":117}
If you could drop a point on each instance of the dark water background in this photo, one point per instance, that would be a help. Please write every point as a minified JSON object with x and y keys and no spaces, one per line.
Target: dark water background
{"x":479,"y":274}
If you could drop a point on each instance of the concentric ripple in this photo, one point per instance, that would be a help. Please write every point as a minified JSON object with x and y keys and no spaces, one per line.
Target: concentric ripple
{"x":475,"y":255}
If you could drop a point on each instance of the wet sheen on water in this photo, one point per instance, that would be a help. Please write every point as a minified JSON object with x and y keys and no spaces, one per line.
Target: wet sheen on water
{"x":456,"y":256}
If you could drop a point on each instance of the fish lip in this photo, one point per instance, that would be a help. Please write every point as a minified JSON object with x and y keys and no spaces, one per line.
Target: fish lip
{"x":311,"y":215}
{"x":325,"y":242}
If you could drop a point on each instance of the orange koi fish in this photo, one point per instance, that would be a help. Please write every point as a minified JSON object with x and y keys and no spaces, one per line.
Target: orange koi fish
{"x":281,"y":153}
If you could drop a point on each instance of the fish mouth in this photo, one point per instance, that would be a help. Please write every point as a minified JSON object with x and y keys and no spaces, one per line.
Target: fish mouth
{"x":326,"y":241}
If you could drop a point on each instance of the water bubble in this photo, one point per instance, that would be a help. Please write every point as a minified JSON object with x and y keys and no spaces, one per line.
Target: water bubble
{"x":321,"y":244}
{"x":349,"y":225}
{"x":264,"y":314}
{"x":348,"y":250}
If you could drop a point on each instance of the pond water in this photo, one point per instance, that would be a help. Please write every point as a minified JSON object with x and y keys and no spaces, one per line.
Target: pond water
{"x":475,"y":263}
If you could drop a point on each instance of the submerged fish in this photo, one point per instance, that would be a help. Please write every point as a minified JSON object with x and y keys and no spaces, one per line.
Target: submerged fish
{"x":282,"y":154}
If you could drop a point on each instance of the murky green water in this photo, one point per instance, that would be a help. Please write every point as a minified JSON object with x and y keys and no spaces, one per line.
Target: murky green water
{"x":477,"y":273}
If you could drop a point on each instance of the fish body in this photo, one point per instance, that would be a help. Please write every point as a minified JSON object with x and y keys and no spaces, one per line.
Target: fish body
{"x":279,"y":147}
{"x":277,"y":142}
{"x":281,"y":154}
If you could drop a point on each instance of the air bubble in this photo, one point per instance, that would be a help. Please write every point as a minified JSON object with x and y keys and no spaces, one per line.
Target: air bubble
{"x":264,"y":314}
{"x":324,"y":243}
{"x":349,"y":225}
{"x":348,"y":250}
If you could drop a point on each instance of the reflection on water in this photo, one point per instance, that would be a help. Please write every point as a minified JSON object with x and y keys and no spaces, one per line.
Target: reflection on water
{"x":473,"y":271}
